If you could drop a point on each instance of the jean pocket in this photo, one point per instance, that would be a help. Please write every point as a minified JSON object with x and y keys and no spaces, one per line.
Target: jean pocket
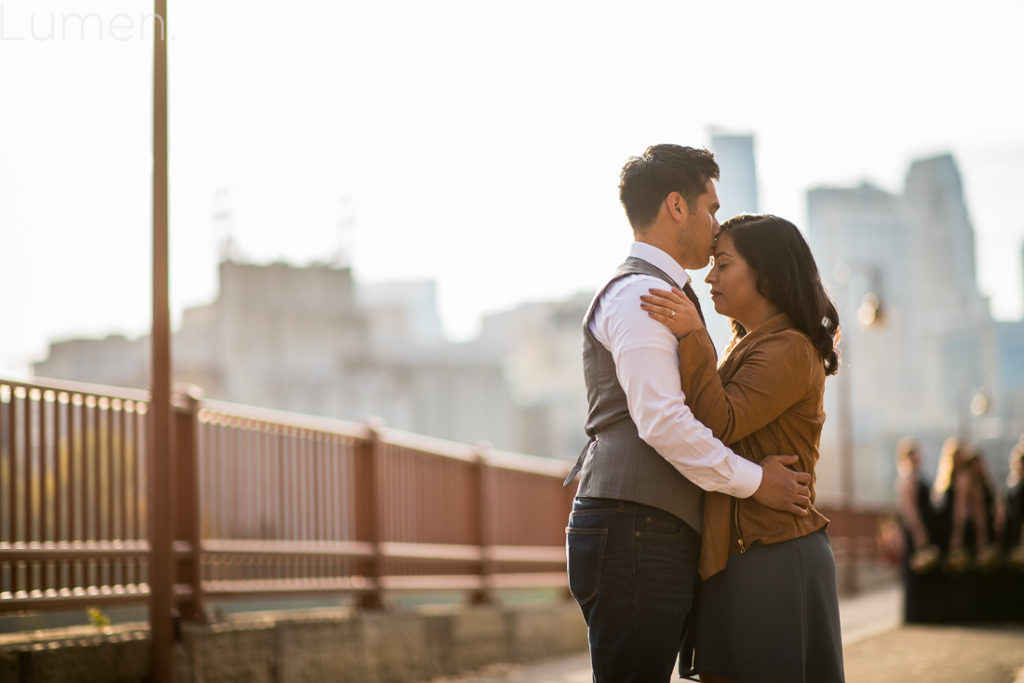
{"x":585,"y":556}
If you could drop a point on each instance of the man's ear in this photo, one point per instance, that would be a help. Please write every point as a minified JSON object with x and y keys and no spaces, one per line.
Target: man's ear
{"x":677,"y":207}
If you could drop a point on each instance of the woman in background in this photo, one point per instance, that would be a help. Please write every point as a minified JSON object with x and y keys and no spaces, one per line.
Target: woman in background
{"x":920,"y":553}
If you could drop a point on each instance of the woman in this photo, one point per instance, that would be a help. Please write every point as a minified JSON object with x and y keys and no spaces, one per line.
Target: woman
{"x":962,"y":498}
{"x":768,"y":607}
{"x":1012,"y":527}
{"x":920,"y":555}
{"x":1012,"y":536}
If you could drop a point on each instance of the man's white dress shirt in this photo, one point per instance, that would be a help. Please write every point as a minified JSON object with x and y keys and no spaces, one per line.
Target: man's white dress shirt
{"x":647,"y":365}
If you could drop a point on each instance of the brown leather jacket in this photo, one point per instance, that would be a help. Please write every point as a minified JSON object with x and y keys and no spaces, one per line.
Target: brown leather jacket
{"x":765,"y":399}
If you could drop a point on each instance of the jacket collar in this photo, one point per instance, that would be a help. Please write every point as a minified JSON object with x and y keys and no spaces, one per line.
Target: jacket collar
{"x":776,"y":323}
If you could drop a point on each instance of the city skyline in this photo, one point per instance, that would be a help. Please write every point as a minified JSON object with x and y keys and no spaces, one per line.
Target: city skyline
{"x":424,"y":140}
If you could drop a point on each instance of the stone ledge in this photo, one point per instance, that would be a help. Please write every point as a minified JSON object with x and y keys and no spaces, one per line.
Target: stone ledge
{"x":339,"y":645}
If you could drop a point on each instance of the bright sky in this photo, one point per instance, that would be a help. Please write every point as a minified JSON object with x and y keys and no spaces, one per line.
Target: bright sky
{"x":477,"y":143}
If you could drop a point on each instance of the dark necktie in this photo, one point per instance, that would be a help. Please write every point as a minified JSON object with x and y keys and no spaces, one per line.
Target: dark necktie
{"x":692,"y":296}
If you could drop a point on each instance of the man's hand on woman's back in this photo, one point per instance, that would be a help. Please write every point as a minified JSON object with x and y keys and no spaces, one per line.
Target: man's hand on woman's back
{"x":782,"y":488}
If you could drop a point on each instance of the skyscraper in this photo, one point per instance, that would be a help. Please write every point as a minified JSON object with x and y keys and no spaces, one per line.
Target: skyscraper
{"x":737,"y":193}
{"x":737,"y":187}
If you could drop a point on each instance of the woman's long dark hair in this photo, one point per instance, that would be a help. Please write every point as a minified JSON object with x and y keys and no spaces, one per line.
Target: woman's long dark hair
{"x":788,"y":277}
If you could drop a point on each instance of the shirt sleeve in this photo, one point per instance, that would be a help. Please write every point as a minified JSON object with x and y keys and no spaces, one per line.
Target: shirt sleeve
{"x":647,"y":366}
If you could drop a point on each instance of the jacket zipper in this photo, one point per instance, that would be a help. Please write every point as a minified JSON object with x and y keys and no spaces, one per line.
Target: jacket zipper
{"x":736,"y":521}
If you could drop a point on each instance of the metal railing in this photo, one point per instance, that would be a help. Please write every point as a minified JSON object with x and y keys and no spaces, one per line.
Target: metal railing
{"x":272,"y":503}
{"x":265,"y":503}
{"x":72,"y":504}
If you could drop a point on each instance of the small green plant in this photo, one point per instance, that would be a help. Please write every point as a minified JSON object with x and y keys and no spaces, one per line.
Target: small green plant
{"x":97,"y":618}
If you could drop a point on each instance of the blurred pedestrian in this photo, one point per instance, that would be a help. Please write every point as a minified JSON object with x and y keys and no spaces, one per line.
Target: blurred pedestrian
{"x":1012,"y":531}
{"x":920,"y":552}
{"x":1011,"y":537}
{"x":964,"y":525}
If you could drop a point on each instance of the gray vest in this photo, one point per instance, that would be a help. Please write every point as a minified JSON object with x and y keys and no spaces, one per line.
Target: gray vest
{"x":617,"y":463}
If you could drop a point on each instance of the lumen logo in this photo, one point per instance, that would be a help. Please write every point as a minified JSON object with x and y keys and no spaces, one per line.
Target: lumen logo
{"x":78,"y":27}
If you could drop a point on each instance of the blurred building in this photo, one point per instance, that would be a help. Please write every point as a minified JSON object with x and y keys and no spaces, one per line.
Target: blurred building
{"x":114,"y":360}
{"x":310,"y":340}
{"x":737,"y":185}
{"x":542,"y":344}
{"x":929,"y":360}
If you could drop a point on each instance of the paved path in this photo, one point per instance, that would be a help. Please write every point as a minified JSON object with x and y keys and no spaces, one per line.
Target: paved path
{"x":877,"y":648}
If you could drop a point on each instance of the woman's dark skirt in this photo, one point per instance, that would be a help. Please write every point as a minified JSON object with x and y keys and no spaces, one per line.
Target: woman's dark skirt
{"x":773,"y":615}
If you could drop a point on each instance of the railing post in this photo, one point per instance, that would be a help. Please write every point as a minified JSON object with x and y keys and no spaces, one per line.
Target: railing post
{"x":188,"y":523}
{"x":481,"y":498}
{"x":368,"y":505}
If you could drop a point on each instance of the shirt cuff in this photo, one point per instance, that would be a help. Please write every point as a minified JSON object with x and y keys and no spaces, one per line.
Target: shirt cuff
{"x":746,"y":479}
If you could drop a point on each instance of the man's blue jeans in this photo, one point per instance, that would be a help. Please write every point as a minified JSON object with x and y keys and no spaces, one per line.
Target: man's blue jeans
{"x":632,"y":569}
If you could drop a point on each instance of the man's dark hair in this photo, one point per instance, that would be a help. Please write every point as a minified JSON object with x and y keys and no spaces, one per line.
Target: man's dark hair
{"x":646,"y":180}
{"x":787,"y":276}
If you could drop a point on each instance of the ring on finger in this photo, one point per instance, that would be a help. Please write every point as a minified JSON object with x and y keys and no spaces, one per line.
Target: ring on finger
{"x":673,"y":313}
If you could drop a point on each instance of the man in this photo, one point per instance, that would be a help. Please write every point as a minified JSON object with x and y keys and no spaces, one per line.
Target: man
{"x":633,"y":539}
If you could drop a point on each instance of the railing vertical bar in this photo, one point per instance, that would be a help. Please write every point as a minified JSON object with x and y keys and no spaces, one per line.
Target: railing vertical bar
{"x":230,"y":480}
{"x":259,"y":492}
{"x":7,"y":504}
{"x":243,"y":475}
{"x":6,"y":482}
{"x":284,"y":491}
{"x":202,"y":487}
{"x":331,"y":500}
{"x":320,"y":505}
{"x":55,"y":488}
{"x":63,"y":499}
{"x":298,"y":500}
{"x":280,"y":523}
{"x":47,"y":473}
{"x":19,"y":520}
{"x":295,"y":498}
{"x":92,"y":483}
{"x":128,"y":496}
{"x":252,"y":491}
{"x":104,"y":464}
{"x":306,"y":495}
{"x":34,"y":470}
{"x":266,"y":495}
{"x":234,"y":528}
{"x":303,"y":494}
{"x":315,"y":482}
{"x":221,"y":482}
{"x":76,"y":501}
{"x":143,"y":463}
{"x":118,"y":483}
{"x":118,"y":486}
{"x":27,"y":486}
{"x":287,"y":499}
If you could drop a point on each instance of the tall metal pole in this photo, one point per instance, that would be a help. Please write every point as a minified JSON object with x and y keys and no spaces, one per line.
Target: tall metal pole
{"x":161,"y":472}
